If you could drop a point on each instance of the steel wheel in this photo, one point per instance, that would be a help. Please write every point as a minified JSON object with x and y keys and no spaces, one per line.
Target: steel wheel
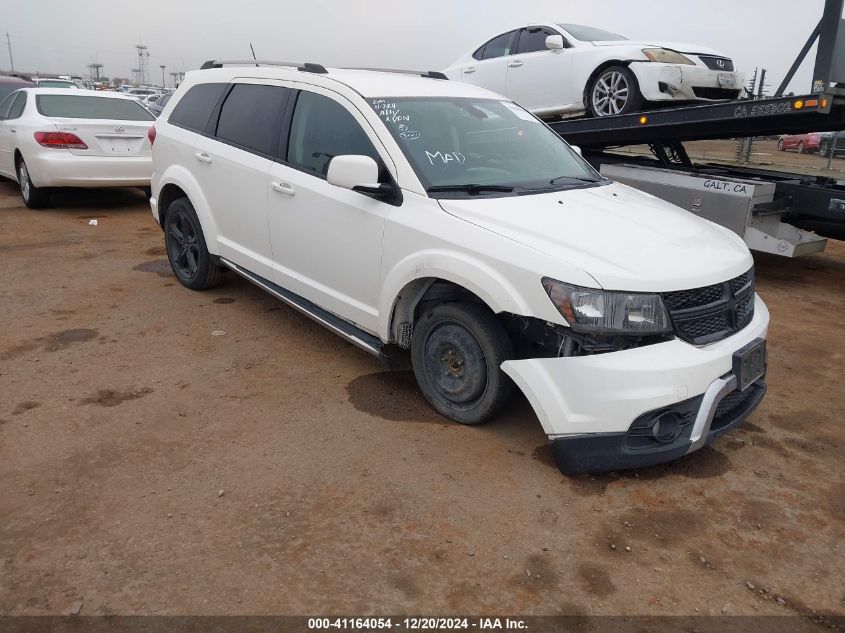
{"x":183,"y":245}
{"x":611,"y":93}
{"x":455,"y":361}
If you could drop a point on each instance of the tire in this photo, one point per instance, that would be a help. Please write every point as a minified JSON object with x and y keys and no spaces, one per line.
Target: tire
{"x":148,"y":192}
{"x":457,"y":351}
{"x":824,"y":148}
{"x":614,"y":91}
{"x":780,"y":145}
{"x":33,"y":197}
{"x":801,"y":147}
{"x":189,"y":258}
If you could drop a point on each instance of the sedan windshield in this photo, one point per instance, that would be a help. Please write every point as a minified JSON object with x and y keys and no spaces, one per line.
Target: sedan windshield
{"x":461,"y":147}
{"x":590,"y":34}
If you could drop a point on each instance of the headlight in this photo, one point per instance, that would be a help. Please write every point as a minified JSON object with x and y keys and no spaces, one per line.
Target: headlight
{"x":596,"y":311}
{"x":665,"y":56}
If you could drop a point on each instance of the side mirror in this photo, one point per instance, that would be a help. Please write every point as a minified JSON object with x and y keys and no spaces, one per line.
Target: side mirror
{"x":576,"y":149}
{"x":358,"y":173}
{"x":554,"y":42}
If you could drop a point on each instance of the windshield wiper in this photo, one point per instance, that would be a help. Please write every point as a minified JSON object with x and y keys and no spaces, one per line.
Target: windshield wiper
{"x":576,"y":178}
{"x":471,"y":188}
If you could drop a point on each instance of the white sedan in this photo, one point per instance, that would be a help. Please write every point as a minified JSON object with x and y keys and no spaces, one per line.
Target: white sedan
{"x":556,"y":69}
{"x":73,"y":138}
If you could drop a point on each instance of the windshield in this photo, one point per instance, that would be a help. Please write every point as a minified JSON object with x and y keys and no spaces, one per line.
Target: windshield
{"x":85,"y":107}
{"x":462,"y":147}
{"x":590,"y":34}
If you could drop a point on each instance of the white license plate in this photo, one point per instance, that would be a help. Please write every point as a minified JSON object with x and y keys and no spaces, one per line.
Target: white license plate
{"x":727,"y":80}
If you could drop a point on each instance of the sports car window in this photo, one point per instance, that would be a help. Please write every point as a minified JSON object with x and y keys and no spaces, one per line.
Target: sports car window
{"x":533,"y":39}
{"x":194,"y":109}
{"x":251,"y":116}
{"x":500,"y":46}
{"x":321,"y":129}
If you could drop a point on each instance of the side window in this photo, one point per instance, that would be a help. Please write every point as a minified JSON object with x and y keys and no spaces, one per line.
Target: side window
{"x":321,"y":129}
{"x":17,"y":106}
{"x":6,"y":105}
{"x":251,"y":117}
{"x":500,"y":46}
{"x":533,"y":39}
{"x":194,"y":109}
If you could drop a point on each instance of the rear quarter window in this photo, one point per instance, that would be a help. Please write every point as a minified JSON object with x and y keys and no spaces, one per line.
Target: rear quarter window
{"x":85,"y":107}
{"x":194,"y":109}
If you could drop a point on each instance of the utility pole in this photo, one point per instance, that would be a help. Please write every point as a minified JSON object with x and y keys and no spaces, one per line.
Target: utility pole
{"x":9,"y":44}
{"x":162,"y":77}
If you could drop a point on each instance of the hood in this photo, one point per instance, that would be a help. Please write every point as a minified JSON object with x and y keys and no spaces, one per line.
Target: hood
{"x":624,"y":238}
{"x":681,"y":47}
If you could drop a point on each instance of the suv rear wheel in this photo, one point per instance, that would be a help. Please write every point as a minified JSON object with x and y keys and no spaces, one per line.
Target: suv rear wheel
{"x":457,"y":352}
{"x":190,"y":260}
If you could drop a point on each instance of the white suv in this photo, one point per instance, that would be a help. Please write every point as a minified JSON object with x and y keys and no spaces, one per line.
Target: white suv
{"x":412,"y":212}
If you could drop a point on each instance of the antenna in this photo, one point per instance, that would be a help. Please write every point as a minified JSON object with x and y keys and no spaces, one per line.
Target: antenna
{"x":253,"y":52}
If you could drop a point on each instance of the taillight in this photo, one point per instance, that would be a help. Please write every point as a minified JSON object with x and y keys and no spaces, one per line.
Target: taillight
{"x":59,"y":140}
{"x":151,"y":135}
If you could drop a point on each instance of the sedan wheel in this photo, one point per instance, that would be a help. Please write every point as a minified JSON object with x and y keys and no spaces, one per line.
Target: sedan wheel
{"x":801,"y":147}
{"x":614,"y":91}
{"x":33,"y":197}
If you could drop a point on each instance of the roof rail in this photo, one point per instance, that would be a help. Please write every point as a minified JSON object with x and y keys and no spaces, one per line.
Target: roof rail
{"x":307,"y":67}
{"x":429,"y":74}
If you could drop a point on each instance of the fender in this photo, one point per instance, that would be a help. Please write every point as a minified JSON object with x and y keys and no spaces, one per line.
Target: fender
{"x":182,"y":178}
{"x":459,"y":268}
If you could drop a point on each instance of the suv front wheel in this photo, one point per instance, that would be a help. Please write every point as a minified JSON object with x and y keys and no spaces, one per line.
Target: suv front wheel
{"x":190,"y":260}
{"x":457,"y":351}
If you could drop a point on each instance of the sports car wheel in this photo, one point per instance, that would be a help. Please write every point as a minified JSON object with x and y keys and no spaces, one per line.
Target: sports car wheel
{"x":780,"y":145}
{"x":614,"y":91}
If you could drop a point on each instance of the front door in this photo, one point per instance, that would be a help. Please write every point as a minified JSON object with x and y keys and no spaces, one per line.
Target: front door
{"x":539,"y":78}
{"x":327,"y":240}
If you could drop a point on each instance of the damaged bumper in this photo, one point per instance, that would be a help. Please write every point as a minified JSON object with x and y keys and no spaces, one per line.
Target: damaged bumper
{"x":591,"y":406}
{"x":672,"y":82}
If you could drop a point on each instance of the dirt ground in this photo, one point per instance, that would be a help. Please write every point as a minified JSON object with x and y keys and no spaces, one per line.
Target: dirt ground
{"x":149,"y":466}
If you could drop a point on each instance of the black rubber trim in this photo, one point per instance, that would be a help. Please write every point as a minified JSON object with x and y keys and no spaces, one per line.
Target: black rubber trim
{"x":609,"y":451}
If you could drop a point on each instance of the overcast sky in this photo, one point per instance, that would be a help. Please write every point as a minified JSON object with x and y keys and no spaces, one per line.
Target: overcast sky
{"x":64,"y":36}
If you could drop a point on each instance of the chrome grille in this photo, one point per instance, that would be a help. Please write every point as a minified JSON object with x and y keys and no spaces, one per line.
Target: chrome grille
{"x":711,"y":313}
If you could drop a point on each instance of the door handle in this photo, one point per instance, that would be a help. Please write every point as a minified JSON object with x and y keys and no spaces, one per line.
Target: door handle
{"x":515,"y":64}
{"x":203,"y":157}
{"x":283,"y":187}
{"x":12,"y":130}
{"x":469,"y":70}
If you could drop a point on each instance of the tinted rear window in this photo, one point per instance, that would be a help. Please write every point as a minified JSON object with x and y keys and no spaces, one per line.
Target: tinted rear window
{"x":85,"y":107}
{"x":195,"y":108}
{"x":251,"y":117}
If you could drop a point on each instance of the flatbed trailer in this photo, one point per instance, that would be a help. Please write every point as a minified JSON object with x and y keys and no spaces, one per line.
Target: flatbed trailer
{"x":774,"y":211}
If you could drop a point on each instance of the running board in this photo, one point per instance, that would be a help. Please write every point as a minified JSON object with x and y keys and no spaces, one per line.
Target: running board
{"x":358,"y":337}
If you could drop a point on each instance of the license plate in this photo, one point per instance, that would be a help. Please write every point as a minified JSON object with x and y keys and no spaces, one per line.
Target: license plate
{"x":749,"y":363}
{"x":727,"y":80}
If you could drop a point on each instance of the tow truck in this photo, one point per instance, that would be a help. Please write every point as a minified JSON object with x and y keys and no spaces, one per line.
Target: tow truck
{"x":776,"y":212}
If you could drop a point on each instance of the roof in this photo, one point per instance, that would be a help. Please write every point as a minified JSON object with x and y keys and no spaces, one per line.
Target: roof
{"x":8,"y":79}
{"x":367,"y":83}
{"x":79,"y":92}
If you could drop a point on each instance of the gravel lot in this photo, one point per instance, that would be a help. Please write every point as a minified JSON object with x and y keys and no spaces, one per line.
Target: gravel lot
{"x":149,"y":466}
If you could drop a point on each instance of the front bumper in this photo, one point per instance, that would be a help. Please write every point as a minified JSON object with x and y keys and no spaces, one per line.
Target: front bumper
{"x":673,"y":82}
{"x":580,"y":396}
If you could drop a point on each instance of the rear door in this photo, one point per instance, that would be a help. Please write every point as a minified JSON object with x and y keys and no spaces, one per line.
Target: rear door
{"x":490,"y":71}
{"x":10,"y":110}
{"x":109,"y":126}
{"x":231,"y":164}
{"x":539,"y":78}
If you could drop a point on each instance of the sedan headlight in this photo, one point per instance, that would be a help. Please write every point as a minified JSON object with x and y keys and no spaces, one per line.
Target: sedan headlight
{"x":666,"y":56}
{"x":597,"y":311}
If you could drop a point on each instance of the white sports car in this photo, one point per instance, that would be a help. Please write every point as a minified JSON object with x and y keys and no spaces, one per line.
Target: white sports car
{"x":54,"y":137}
{"x":566,"y":68}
